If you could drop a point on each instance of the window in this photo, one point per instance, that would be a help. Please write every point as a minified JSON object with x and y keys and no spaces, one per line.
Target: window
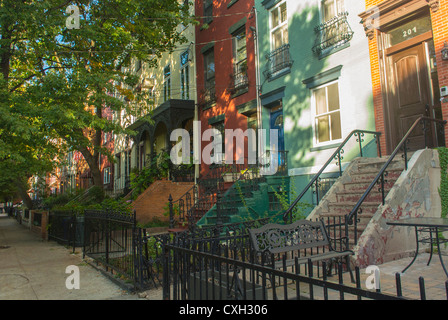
{"x":240,"y":59}
{"x":209,"y":60}
{"x":327,"y":120}
{"x":138,"y":65}
{"x":279,"y":26}
{"x":274,"y":202}
{"x":219,"y":148}
{"x":331,"y":8}
{"x":106,"y":178}
{"x":184,"y":76}
{"x":167,"y":83}
{"x":208,"y":11}
{"x":334,"y":31}
{"x":279,"y":59}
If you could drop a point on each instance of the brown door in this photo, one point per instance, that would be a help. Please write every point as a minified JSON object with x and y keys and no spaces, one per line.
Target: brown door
{"x":409,"y":96}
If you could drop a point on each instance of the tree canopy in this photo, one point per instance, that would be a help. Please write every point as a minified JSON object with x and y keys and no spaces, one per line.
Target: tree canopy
{"x":60,"y":68}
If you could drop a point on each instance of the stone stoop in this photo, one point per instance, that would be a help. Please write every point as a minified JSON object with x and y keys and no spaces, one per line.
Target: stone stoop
{"x":414,"y":194}
{"x":350,"y":187}
{"x":153,"y":202}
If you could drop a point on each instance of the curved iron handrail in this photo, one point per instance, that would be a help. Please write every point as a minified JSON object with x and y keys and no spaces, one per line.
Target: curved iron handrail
{"x":336,"y":154}
{"x":401,"y":145}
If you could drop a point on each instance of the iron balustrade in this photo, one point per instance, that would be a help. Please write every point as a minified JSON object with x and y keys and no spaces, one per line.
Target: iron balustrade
{"x":240,"y":79}
{"x":334,"y":32}
{"x":278,"y":60}
{"x":201,"y":196}
{"x":338,"y":156}
{"x":209,"y":93}
{"x":353,"y":215}
{"x":276,"y":158}
{"x":219,"y":264}
{"x":111,"y":238}
{"x":66,"y":227}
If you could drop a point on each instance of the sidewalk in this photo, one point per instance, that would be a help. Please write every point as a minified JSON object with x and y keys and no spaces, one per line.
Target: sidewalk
{"x":33,"y":269}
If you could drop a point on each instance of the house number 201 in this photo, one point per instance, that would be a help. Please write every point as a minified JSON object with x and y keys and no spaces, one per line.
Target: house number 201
{"x":408,"y":32}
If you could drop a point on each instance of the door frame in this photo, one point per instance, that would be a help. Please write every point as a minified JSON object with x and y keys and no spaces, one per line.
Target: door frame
{"x":386,"y":71}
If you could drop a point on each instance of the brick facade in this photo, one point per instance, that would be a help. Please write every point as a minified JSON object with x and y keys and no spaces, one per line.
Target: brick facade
{"x":439,"y":14}
{"x":217,"y":33}
{"x":153,"y":202}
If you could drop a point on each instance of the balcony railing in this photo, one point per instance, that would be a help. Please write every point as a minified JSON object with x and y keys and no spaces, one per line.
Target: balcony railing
{"x":209,"y":93}
{"x":278,"y":60}
{"x":332,"y":33}
{"x":240,"y":78}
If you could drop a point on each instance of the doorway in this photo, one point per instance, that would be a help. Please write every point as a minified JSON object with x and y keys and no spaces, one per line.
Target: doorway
{"x":409,"y":86}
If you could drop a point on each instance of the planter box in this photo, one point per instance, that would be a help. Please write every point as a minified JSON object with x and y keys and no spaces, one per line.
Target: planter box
{"x":212,"y":287}
{"x":229,"y":177}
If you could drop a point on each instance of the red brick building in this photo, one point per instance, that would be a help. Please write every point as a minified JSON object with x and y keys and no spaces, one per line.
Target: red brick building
{"x":406,"y":40}
{"x":226,"y":67}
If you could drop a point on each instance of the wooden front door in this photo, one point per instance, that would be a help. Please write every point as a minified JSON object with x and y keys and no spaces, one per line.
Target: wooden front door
{"x":409,"y":96}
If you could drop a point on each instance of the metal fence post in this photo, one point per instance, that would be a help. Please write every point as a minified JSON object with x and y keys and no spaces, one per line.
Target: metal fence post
{"x":170,"y":205}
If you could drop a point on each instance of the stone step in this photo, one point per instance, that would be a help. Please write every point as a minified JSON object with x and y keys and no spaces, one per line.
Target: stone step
{"x":377,"y":163}
{"x":369,"y":176}
{"x":343,"y":208}
{"x":351,"y":196}
{"x":362,"y":186}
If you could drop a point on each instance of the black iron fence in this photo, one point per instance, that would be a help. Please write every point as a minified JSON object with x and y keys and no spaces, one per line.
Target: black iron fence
{"x":110,"y":238}
{"x":213,"y":262}
{"x":67,"y":228}
{"x":219,"y":264}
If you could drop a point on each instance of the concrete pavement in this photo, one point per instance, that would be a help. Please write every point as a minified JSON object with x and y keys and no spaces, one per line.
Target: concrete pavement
{"x":33,"y":269}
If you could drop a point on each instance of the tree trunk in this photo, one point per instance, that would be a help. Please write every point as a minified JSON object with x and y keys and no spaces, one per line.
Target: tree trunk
{"x":21,"y":188}
{"x":94,"y":166}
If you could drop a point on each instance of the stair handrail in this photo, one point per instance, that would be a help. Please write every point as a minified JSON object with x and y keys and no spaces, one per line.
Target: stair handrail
{"x":380,"y":175}
{"x":250,"y":173}
{"x":336,"y":155}
{"x":193,"y":192}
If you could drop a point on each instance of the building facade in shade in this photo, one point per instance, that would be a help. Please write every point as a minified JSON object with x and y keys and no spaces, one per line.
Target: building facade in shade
{"x":226,"y":71}
{"x":407,"y":40}
{"x":315,"y":83}
{"x":169,"y":90}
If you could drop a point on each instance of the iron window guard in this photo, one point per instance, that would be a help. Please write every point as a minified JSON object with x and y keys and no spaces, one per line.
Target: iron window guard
{"x":332,"y":33}
{"x":278,"y":60}
{"x":209,"y":93}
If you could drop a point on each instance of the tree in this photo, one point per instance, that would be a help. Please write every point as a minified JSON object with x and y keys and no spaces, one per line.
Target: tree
{"x":57,"y":80}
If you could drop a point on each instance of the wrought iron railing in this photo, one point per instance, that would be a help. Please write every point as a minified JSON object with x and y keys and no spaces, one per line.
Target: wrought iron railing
{"x":278,"y":60}
{"x":338,"y":156}
{"x":275,"y":162}
{"x":402,"y":146}
{"x":199,"y":198}
{"x":209,"y":93}
{"x":219,"y":263}
{"x":240,"y":81}
{"x":334,"y":32}
{"x":239,"y":78}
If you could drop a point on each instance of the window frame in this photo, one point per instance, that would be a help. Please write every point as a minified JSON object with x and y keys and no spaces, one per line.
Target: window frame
{"x":273,"y":29}
{"x":315,"y":115}
{"x":207,"y":6}
{"x":106,"y":175}
{"x":185,"y":76}
{"x":238,"y":69}
{"x":209,"y":82}
{"x":335,"y":7}
{"x":167,"y":83}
